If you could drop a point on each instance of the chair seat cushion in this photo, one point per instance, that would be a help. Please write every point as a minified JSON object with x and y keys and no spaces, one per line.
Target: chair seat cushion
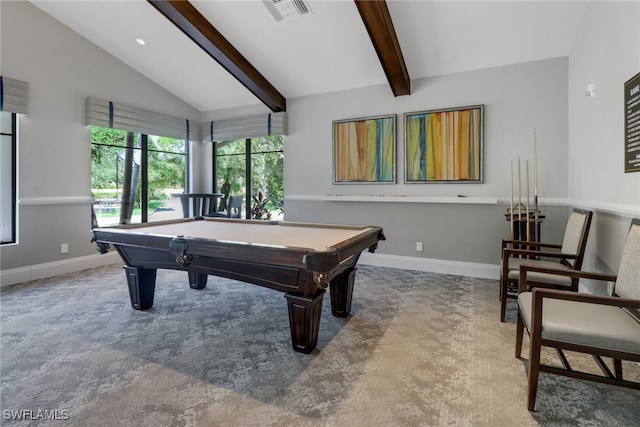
{"x":592,"y":325}
{"x":534,"y":276}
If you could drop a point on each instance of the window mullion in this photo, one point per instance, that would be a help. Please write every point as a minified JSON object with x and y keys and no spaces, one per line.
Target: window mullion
{"x":247,"y":160}
{"x":215,"y":167}
{"x":144,"y":186}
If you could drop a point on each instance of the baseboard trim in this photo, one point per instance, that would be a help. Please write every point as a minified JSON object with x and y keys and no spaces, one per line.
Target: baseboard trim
{"x":457,"y":268}
{"x":50,"y":269}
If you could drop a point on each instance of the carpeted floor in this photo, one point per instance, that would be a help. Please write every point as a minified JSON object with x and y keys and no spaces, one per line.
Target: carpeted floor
{"x":419,"y":349}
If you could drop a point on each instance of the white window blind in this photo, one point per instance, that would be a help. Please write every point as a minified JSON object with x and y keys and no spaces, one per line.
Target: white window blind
{"x":247,"y":127}
{"x":14,"y":95}
{"x":109,"y":114}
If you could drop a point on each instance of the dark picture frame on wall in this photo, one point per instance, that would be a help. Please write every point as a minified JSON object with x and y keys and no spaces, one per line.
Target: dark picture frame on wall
{"x":444,"y":145}
{"x":364,"y":150}
{"x":632,"y":124}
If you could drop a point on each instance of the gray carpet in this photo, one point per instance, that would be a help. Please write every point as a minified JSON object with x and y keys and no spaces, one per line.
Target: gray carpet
{"x":419,"y":349}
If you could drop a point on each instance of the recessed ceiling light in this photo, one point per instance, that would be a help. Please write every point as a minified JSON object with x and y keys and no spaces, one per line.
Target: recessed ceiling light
{"x":141,"y":42}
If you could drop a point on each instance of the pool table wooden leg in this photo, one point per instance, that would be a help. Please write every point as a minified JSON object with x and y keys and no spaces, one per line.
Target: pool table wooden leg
{"x":142,"y":286}
{"x":341,"y":292}
{"x":304,"y":320}
{"x":197,"y":280}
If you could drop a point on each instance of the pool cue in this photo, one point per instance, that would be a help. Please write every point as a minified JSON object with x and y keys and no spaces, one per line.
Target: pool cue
{"x":535,"y":185}
{"x":527,"y":210}
{"x":519,"y":200}
{"x":511,"y":208}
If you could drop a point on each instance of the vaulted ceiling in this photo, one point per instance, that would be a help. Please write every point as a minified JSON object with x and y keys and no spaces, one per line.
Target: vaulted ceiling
{"x":330,"y":49}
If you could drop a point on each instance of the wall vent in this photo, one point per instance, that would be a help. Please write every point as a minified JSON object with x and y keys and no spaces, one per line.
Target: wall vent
{"x":283,"y":10}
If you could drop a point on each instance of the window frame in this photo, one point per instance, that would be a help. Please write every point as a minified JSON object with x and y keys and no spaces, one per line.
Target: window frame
{"x":14,"y":178}
{"x":144,"y":165}
{"x":248,"y":153}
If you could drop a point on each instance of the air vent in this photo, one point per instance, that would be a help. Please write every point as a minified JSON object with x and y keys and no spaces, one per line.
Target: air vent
{"x":283,"y":10}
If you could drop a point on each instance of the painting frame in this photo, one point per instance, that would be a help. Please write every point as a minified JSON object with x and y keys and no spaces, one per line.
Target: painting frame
{"x":444,"y":146}
{"x":364,"y":150}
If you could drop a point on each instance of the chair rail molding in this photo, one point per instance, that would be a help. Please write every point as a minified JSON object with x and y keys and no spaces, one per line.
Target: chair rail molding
{"x":618,"y":209}
{"x":392,"y":199}
{"x":63,"y":200}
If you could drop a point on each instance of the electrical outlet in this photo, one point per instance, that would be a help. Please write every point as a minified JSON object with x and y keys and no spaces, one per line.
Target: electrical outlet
{"x":64,"y":248}
{"x":419,"y":246}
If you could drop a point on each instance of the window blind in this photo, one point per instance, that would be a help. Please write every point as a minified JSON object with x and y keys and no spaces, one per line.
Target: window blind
{"x":109,"y":114}
{"x":247,"y":127}
{"x":14,"y":95}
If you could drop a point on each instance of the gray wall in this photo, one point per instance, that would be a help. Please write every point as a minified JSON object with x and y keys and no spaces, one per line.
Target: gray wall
{"x":607,"y":53}
{"x":517,"y":99}
{"x":54,"y":164}
{"x":579,"y":143}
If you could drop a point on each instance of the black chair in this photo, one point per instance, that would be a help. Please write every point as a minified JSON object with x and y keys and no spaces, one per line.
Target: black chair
{"x":197,"y":204}
{"x":234,"y":209}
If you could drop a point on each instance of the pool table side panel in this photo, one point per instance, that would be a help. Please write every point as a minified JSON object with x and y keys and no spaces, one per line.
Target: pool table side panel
{"x":284,"y":279}
{"x":291,"y":257}
{"x":274,"y":276}
{"x":135,"y":256}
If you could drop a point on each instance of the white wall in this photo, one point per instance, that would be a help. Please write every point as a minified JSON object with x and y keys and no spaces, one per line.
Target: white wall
{"x":54,"y":165}
{"x":607,"y":53}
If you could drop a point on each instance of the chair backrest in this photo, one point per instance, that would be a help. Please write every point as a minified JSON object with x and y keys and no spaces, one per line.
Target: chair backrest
{"x":628,"y":280}
{"x":575,"y":236}
{"x":234,"y":206}
{"x":197,"y":204}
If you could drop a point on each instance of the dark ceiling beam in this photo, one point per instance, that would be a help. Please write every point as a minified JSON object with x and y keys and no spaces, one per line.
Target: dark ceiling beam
{"x":377,"y":20}
{"x":187,"y":18}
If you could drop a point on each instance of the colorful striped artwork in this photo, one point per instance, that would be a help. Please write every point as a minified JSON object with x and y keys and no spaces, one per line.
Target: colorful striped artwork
{"x":364,"y":150}
{"x":444,"y":145}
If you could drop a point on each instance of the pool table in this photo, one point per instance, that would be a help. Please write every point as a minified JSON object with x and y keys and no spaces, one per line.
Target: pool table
{"x":300,"y":259}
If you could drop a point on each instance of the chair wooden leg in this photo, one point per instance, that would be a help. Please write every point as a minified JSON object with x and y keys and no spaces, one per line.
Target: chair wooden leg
{"x":503,"y":300}
{"x":519,"y":335}
{"x":534,"y":370}
{"x":617,"y":367}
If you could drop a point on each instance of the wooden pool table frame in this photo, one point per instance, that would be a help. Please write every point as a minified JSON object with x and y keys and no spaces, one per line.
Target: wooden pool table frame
{"x":302,"y":273}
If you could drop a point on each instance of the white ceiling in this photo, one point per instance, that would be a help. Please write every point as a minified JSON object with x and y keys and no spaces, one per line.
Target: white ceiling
{"x":326,"y":51}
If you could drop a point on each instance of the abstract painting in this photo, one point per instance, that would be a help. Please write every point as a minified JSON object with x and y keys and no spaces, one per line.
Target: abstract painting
{"x":444,"y":146}
{"x":364,"y":150}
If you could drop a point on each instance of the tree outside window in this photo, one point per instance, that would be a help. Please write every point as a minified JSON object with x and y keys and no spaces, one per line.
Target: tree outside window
{"x":133,"y":176}
{"x":259,"y":162}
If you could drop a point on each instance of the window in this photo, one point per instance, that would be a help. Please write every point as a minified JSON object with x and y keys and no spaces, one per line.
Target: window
{"x":133,"y":176}
{"x":8,"y":131}
{"x":254,"y":168}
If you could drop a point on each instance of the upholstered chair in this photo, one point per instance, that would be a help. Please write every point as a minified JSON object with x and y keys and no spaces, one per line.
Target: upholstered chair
{"x":602,"y":326}
{"x":568,"y":255}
